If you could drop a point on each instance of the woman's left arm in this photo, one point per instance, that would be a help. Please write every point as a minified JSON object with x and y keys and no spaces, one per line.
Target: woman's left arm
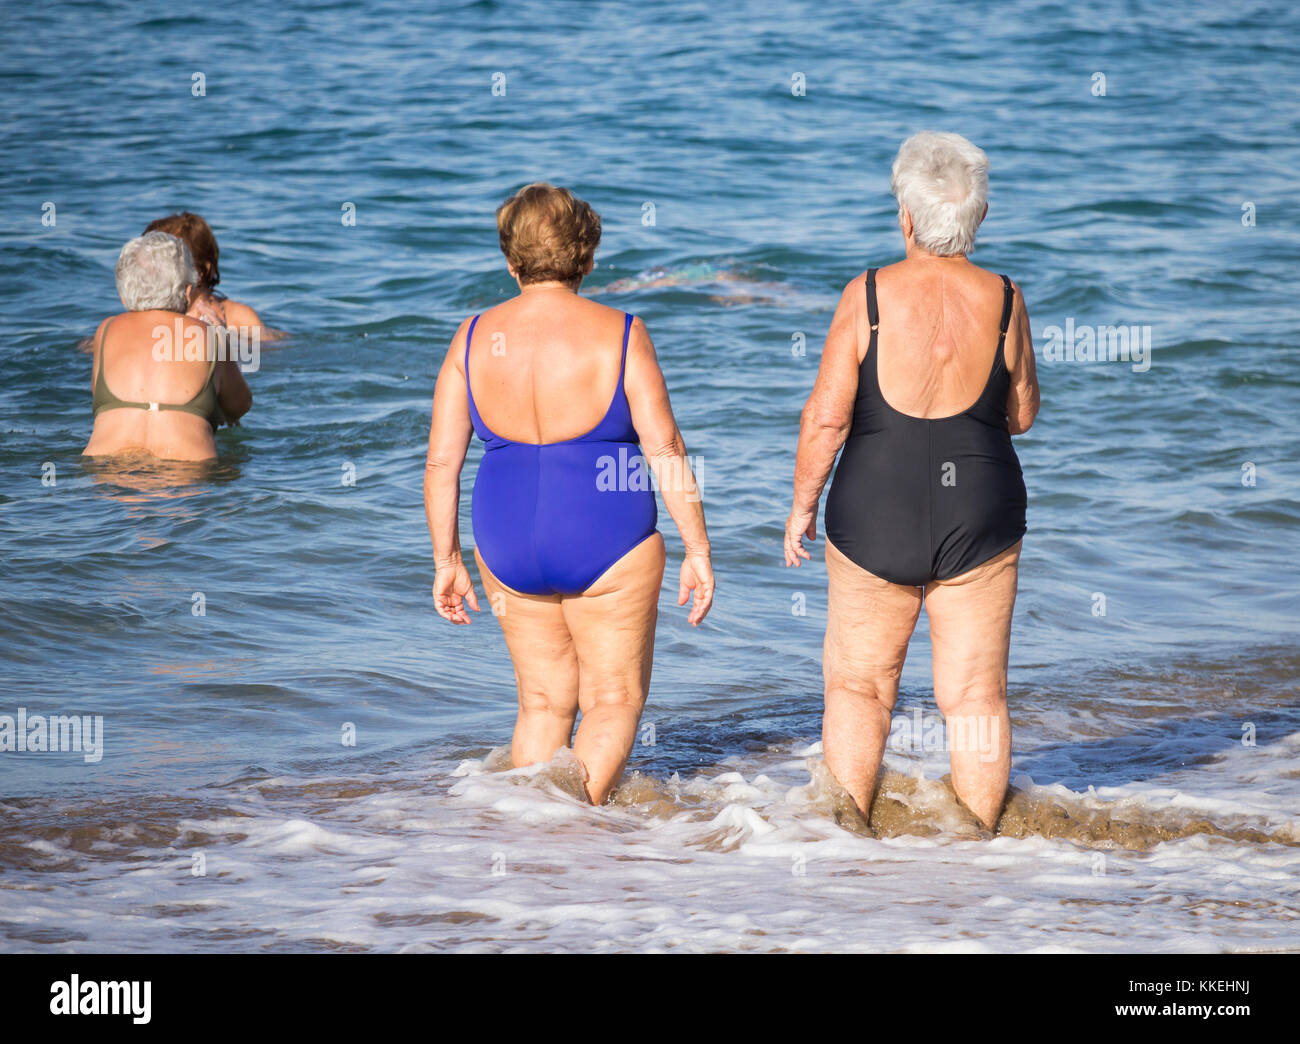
{"x":449,"y":435}
{"x":826,"y":419}
{"x":1022,"y":395}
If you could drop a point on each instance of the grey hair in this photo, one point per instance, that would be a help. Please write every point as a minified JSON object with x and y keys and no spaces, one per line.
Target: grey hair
{"x":943,"y":181}
{"x":153,"y":271}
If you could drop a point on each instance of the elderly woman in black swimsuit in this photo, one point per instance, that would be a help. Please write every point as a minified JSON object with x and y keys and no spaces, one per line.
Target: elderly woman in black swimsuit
{"x":927,"y":372}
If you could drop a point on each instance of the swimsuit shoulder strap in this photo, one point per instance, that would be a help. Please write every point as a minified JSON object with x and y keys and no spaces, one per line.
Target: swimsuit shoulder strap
{"x":615,"y":425}
{"x":873,"y":320}
{"x":99,"y":346}
{"x":101,"y":395}
{"x":103,"y":335}
{"x":203,"y":409}
{"x":209,"y":336}
{"x":482,"y":429}
{"x":627,"y":330}
{"x":995,"y":386}
{"x":1008,"y":296}
{"x":469,"y":339}
{"x":205,"y":403}
{"x":999,"y":358}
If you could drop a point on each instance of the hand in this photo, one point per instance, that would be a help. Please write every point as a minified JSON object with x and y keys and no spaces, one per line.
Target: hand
{"x":452,"y":590}
{"x":209,"y":311}
{"x":697,"y":576}
{"x":800,"y":524}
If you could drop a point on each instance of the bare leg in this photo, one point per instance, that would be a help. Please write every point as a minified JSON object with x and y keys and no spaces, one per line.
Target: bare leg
{"x":613,"y":628}
{"x":546,"y":668}
{"x":868,"y":626}
{"x":970,"y":634}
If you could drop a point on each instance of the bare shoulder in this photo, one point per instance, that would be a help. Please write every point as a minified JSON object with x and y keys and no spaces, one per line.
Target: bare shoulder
{"x":597,"y":312}
{"x":855,"y":290}
{"x":239,"y":314}
{"x":456,"y":350}
{"x":884,"y":273}
{"x":93,"y":342}
{"x":985,"y":279}
{"x":640,"y":347}
{"x":1017,"y":297}
{"x":857,"y":286}
{"x":606,"y":323}
{"x":189,"y":323}
{"x":639,"y":334}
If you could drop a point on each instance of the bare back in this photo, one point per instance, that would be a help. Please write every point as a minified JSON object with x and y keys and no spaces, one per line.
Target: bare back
{"x":938,"y":333}
{"x":124,"y":348}
{"x":544,"y":365}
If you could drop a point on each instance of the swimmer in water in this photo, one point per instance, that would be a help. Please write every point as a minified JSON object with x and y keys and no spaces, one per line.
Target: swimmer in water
{"x":706,"y":273}
{"x":659,"y":276}
{"x":207,"y":304}
{"x":164,"y":403}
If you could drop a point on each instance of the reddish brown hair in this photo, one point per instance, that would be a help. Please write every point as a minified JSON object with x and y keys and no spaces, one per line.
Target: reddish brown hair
{"x":547,"y":233}
{"x":194,"y":232}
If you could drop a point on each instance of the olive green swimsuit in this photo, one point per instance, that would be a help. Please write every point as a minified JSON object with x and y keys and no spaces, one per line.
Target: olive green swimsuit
{"x":204,"y":404}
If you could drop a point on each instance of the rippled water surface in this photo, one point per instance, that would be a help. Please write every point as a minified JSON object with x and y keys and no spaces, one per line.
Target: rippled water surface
{"x":1156,"y":788}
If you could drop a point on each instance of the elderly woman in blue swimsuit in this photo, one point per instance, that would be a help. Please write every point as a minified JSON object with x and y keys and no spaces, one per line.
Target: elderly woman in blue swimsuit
{"x":927,"y":372}
{"x":569,"y":401}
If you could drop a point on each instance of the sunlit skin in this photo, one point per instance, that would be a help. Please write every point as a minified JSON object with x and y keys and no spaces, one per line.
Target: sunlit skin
{"x":590,"y":652}
{"x":134,"y":374}
{"x":222,"y":311}
{"x":216,"y":311}
{"x":936,"y":350}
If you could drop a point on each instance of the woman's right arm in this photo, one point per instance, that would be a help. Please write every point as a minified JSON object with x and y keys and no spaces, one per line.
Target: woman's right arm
{"x":665,"y":450}
{"x":449,"y":435}
{"x":827,"y":418}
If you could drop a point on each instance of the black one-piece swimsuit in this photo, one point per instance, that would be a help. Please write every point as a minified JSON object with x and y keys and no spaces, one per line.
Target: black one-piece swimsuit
{"x":915,"y":499}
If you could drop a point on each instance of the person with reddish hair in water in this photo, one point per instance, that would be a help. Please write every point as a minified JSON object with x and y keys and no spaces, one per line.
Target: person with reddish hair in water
{"x":207,"y":304}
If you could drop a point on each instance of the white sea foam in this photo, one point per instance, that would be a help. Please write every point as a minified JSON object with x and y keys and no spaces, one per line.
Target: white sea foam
{"x":746,"y":855}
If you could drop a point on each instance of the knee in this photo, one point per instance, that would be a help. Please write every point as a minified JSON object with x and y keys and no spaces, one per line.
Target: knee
{"x":973,"y":700}
{"x":613,"y":700}
{"x":541,"y":701}
{"x":865,"y":690}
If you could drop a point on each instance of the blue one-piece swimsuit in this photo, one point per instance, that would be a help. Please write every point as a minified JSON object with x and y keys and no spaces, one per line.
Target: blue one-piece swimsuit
{"x":550,"y":518}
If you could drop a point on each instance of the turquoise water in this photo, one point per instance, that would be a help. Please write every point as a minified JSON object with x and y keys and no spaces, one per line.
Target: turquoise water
{"x":222,"y":732}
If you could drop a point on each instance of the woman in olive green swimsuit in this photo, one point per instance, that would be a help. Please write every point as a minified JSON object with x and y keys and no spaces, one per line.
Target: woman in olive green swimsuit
{"x":170,"y":404}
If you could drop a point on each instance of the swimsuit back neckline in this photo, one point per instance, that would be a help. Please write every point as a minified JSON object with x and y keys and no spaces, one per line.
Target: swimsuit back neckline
{"x":873,"y":317}
{"x":613,"y":426}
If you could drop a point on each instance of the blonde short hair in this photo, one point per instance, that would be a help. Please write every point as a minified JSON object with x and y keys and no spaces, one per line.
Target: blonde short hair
{"x":548,"y":233}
